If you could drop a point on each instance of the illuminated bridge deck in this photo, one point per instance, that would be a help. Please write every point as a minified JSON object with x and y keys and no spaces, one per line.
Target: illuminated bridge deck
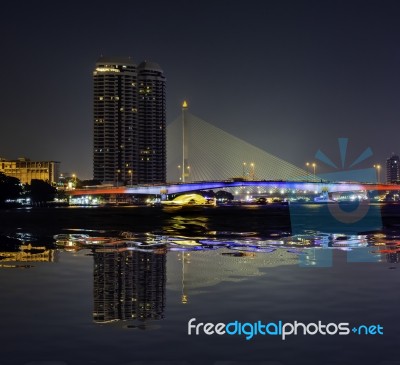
{"x":178,"y":188}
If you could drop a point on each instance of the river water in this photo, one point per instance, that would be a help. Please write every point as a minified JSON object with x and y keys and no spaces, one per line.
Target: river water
{"x":68,"y":301}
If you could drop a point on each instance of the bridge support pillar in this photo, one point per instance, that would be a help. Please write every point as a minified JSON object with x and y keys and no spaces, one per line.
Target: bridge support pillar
{"x":163,"y":194}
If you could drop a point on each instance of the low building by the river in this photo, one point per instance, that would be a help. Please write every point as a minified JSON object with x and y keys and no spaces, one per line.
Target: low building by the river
{"x":25,"y":170}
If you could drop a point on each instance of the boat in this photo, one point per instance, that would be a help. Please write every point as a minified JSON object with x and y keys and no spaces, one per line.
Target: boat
{"x":188,"y":202}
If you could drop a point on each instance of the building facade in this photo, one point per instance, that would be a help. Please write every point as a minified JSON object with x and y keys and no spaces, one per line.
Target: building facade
{"x":26,"y":170}
{"x":393,"y":169}
{"x":129,"y":122}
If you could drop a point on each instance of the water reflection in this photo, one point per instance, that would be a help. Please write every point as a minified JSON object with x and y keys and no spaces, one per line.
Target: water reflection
{"x":226,"y":271}
{"x":186,"y":225}
{"x":393,"y":258}
{"x":128,"y":285}
{"x":130,"y":268}
{"x":29,"y":253}
{"x":194,"y":272}
{"x":24,"y":248}
{"x":311,"y":245}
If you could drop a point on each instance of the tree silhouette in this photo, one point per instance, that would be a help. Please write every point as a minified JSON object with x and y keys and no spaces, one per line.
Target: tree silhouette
{"x":224,"y":195}
{"x":10,"y":188}
{"x":41,"y":191}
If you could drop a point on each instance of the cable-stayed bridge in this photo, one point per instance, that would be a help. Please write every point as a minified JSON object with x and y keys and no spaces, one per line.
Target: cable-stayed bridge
{"x":213,"y":154}
{"x":201,"y":156}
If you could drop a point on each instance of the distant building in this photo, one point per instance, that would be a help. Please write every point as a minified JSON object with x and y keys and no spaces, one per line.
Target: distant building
{"x":393,"y":169}
{"x":25,"y":170}
{"x":129,"y":122}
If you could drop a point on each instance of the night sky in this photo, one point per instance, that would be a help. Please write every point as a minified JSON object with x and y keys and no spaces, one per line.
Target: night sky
{"x":287,"y":76}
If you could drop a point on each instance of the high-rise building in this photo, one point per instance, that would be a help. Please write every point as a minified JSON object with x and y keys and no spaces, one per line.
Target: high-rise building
{"x":115,"y":119}
{"x":129,"y":122}
{"x":393,"y":169}
{"x":151,"y":124}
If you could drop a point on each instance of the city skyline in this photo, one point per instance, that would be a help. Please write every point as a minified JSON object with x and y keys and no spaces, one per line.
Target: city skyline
{"x":288,"y":77}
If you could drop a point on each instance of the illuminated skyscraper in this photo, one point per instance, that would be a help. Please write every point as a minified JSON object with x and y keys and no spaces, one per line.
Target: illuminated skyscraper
{"x":129,"y":122}
{"x":151,"y":124}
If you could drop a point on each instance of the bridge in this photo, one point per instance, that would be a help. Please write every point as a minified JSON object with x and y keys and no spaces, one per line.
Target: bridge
{"x":283,"y":186}
{"x":203,"y":157}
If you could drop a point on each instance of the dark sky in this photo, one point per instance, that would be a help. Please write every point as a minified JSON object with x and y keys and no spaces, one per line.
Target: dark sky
{"x":287,"y":76}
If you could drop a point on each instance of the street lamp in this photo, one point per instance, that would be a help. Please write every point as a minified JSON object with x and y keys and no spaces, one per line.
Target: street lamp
{"x":252,"y":171}
{"x":314,"y":165}
{"x":308,"y":164}
{"x":118,"y":171}
{"x":188,"y":173}
{"x":179,"y":173}
{"x":378,"y":168}
{"x":130,"y":174}
{"x":244,"y":166}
